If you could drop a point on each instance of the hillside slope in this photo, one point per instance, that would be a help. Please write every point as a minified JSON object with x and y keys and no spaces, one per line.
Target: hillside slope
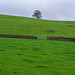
{"x":36,"y":27}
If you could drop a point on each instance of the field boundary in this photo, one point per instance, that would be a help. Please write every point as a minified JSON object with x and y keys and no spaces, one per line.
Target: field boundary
{"x":61,"y":38}
{"x":18,"y":36}
{"x":35,"y":37}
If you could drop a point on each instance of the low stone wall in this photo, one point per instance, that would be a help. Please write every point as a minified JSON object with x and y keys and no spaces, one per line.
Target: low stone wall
{"x":35,"y":37}
{"x":18,"y":36}
{"x":61,"y":38}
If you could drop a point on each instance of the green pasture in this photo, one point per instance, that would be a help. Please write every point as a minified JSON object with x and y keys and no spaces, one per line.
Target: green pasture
{"x":36,"y":57}
{"x":36,"y":27}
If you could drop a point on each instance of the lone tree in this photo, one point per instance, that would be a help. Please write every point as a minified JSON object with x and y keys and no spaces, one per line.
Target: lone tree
{"x":37,"y":14}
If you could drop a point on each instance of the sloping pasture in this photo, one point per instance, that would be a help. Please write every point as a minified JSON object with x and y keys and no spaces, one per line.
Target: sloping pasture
{"x":14,"y":25}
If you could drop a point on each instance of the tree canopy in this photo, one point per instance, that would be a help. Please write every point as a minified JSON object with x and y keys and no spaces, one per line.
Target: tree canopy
{"x":37,"y":14}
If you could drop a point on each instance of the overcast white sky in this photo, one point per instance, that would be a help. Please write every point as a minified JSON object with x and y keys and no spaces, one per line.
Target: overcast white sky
{"x":51,"y":9}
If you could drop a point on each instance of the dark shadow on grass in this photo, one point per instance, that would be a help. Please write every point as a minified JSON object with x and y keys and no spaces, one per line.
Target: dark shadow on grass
{"x":43,"y":54}
{"x":19,"y":54}
{"x":69,"y":52}
{"x":35,"y":49}
{"x":2,"y":50}
{"x":33,"y":56}
{"x":11,"y":46}
{"x":15,"y":72}
{"x":18,"y":73}
{"x":22,"y":48}
{"x":27,"y":60}
{"x":42,"y":66}
{"x":70,"y":25}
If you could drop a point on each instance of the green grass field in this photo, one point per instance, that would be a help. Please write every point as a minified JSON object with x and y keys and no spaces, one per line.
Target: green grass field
{"x":35,"y":27}
{"x":36,"y":57}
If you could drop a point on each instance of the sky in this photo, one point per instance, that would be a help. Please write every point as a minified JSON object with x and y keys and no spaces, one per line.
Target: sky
{"x":50,"y":9}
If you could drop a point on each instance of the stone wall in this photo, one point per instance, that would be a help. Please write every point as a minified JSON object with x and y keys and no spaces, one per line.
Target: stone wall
{"x":61,"y":38}
{"x":18,"y":36}
{"x":35,"y":37}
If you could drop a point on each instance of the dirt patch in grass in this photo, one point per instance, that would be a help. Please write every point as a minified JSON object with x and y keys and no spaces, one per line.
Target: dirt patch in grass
{"x":50,"y":31}
{"x":70,"y":26}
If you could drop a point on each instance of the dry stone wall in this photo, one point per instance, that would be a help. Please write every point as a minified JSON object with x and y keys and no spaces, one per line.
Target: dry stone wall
{"x":18,"y":36}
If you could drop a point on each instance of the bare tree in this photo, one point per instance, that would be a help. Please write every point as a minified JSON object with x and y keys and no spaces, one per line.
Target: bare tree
{"x":37,"y":14}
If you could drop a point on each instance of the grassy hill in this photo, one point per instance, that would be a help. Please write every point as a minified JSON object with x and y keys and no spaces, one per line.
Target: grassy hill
{"x":36,"y":57}
{"x":36,"y":27}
